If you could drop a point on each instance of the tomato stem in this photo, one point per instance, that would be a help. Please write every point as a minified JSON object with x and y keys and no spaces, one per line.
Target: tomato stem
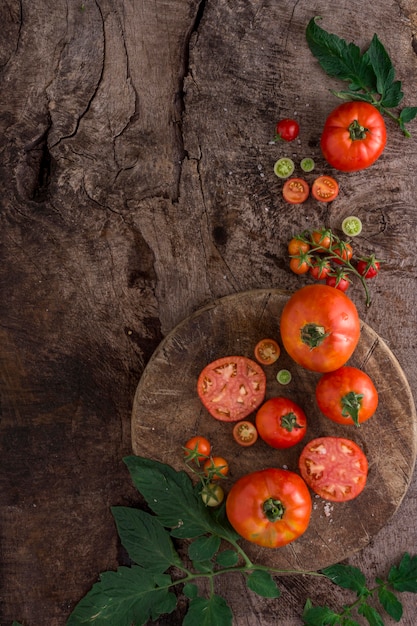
{"x":357,"y":131}
{"x":313,"y":335}
{"x":274,"y":509}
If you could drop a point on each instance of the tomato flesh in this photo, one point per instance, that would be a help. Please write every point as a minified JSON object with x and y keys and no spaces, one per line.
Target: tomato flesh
{"x":245,"y":433}
{"x":267,"y":351}
{"x":281,"y":423}
{"x":325,"y":189}
{"x":295,"y":190}
{"x":334,"y":467}
{"x":269,"y":507}
{"x":231,"y":387}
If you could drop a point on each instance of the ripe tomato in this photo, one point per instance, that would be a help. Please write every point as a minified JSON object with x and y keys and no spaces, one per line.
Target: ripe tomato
{"x":320,"y":328}
{"x":297,"y":246}
{"x":215,"y":467}
{"x":344,"y":251}
{"x":339,"y":280}
{"x":245,"y":433}
{"x":231,"y":387}
{"x":347,"y":396}
{"x":287,"y":129}
{"x":267,"y":351}
{"x":335,"y":468}
{"x":197,"y":449}
{"x":269,"y":507}
{"x":281,"y":422}
{"x":300,"y":264}
{"x":368,"y":268}
{"x":322,"y":238}
{"x":325,"y":189}
{"x":354,"y":136}
{"x":295,"y":190}
{"x":320,"y":268}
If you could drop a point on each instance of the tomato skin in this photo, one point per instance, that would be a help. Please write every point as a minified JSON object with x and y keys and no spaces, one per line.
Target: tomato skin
{"x":340,"y":282}
{"x":344,"y":251}
{"x":325,"y":189}
{"x":216,"y":467}
{"x":327,"y":315}
{"x":300,"y":264}
{"x":245,"y":433}
{"x":297,"y":246}
{"x":322,"y":238}
{"x":197,"y":448}
{"x":267,"y":351}
{"x":347,"y":154}
{"x":287,"y":129}
{"x":334,"y":467}
{"x":295,"y":190}
{"x":368,"y":268}
{"x":281,"y":423}
{"x":231,"y":387}
{"x":250,"y":493}
{"x":337,"y":395}
{"x":320,"y":268}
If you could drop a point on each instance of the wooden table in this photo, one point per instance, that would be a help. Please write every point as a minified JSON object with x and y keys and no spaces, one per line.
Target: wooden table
{"x":137,"y":187}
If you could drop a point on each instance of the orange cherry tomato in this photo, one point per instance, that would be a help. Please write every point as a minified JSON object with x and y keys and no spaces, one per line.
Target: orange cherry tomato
{"x":197,"y":449}
{"x":295,"y":190}
{"x":215,"y":467}
{"x":325,"y":189}
{"x":297,"y":246}
{"x":267,"y":351}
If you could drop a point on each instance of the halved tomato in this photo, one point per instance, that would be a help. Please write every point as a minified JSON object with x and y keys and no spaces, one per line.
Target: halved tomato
{"x":267,"y":351}
{"x":231,"y":387}
{"x":335,"y":468}
{"x":295,"y":190}
{"x":325,"y":189}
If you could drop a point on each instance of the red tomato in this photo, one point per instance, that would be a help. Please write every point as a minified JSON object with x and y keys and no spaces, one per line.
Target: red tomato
{"x":339,"y":281}
{"x":270,"y":507}
{"x":267,"y":351}
{"x":322,"y":238}
{"x":347,"y":396}
{"x":245,"y":433}
{"x":325,"y":189}
{"x":197,"y":448}
{"x":344,"y":251}
{"x":295,"y":190}
{"x":215,"y":467}
{"x":231,"y":387}
{"x":320,"y":268}
{"x":368,"y":268}
{"x":281,"y":422}
{"x":300,"y":264}
{"x":354,"y":136}
{"x":297,"y":246}
{"x":335,"y":468}
{"x":320,"y":328}
{"x":287,"y":129}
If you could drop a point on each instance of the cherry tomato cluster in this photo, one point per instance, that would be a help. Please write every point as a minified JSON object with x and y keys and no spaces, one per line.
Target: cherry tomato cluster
{"x":324,"y":256}
{"x":210,"y":469}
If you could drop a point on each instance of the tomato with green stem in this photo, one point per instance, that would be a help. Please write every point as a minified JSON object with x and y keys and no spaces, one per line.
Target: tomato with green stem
{"x":216,"y":467}
{"x":197,"y":449}
{"x":269,"y":507}
{"x":322,"y":238}
{"x":354,"y":136}
{"x":212,"y":494}
{"x":320,"y":268}
{"x":297,"y":245}
{"x":325,"y":189}
{"x":295,"y":190}
{"x":245,"y":433}
{"x":347,"y":396}
{"x":339,"y":280}
{"x":343,"y":250}
{"x":281,"y":423}
{"x":300,"y":263}
{"x":368,"y":267}
{"x":287,"y":130}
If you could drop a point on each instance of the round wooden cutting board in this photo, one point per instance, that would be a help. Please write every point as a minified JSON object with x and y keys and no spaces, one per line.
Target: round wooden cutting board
{"x":167,"y":411}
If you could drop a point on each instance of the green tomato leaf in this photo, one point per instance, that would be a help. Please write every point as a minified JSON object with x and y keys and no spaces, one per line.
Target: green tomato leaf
{"x":391,"y":604}
{"x":320,"y":616}
{"x":390,"y":91}
{"x":227,"y":558}
{"x":347,"y":577}
{"x":262,"y":583}
{"x":371,"y":615}
{"x":190,"y":590}
{"x":407,"y":114}
{"x":204,"y":548}
{"x":145,"y":539}
{"x":213,"y":611}
{"x":404,"y":577}
{"x":129,"y":595}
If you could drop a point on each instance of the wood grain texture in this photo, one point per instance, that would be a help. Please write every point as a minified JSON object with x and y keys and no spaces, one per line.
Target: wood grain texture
{"x":137,"y":187}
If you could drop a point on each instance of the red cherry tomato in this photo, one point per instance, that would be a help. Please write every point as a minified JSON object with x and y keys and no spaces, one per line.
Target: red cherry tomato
{"x":295,"y":190}
{"x":335,"y":468}
{"x":325,"y":189}
{"x":287,"y":130}
{"x":281,"y":423}
{"x":197,"y":449}
{"x":320,"y":268}
{"x":344,"y":251}
{"x":245,"y":433}
{"x":368,"y":268}
{"x":267,"y":351}
{"x":338,"y":281}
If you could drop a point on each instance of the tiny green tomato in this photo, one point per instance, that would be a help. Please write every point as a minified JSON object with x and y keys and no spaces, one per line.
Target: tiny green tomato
{"x":307,"y":164}
{"x":284,"y":167}
{"x":352,"y":226}
{"x":284,"y":377}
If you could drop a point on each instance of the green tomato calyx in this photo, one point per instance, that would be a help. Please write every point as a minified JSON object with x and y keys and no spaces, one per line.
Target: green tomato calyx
{"x":357,"y":131}
{"x":273,"y":509}
{"x":313,"y":335}
{"x":289,"y":422}
{"x":351,"y":405}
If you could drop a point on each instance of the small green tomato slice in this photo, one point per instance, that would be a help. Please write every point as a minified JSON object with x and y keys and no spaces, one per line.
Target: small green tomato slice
{"x":307,"y":164}
{"x":284,"y":167}
{"x":284,"y":377}
{"x":352,"y":226}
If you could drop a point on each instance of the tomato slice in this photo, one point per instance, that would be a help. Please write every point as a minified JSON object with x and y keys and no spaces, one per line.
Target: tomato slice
{"x":267,"y":351}
{"x":245,"y":433}
{"x":231,"y":387}
{"x":335,"y":468}
{"x":325,"y":188}
{"x":295,"y":190}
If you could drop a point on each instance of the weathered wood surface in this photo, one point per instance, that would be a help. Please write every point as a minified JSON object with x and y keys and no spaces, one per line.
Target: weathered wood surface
{"x":136,"y":187}
{"x":167,"y":411}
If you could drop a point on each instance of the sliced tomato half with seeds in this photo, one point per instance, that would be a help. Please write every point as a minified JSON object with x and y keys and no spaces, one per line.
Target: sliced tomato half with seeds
{"x":231,"y":387}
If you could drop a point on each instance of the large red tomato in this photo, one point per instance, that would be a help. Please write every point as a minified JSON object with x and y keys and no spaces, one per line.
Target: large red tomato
{"x":354,"y":136}
{"x":281,"y":422}
{"x":231,"y":387}
{"x":320,"y":328}
{"x":347,"y":396}
{"x":269,"y":507}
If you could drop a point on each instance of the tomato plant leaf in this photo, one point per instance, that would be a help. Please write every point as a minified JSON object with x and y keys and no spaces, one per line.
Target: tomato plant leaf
{"x":370,"y":614}
{"x":129,"y":595}
{"x":347,"y":577}
{"x":391,"y":604}
{"x":262,"y":583}
{"x":145,"y":539}
{"x":227,"y":558}
{"x":320,"y":616}
{"x":407,"y":114}
{"x":204,"y":548}
{"x":389,"y":90}
{"x":404,"y":576}
{"x":213,"y":611}
{"x":190,"y":590}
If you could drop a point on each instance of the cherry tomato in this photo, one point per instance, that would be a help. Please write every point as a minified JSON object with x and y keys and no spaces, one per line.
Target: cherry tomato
{"x":322,"y":238}
{"x":300,"y":264}
{"x":215,"y":467}
{"x":344,"y":251}
{"x":368,"y":268}
{"x":339,"y":281}
{"x":197,"y":449}
{"x":267,"y":351}
{"x":320,"y":328}
{"x":245,"y":433}
{"x":295,"y":190}
{"x":297,"y":246}
{"x":212,"y":494}
{"x":269,"y":507}
{"x":320,"y":268}
{"x":325,"y":189}
{"x":347,"y":396}
{"x":354,"y":136}
{"x":281,"y":423}
{"x":335,"y":468}
{"x":287,"y":129}
{"x":231,"y":387}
